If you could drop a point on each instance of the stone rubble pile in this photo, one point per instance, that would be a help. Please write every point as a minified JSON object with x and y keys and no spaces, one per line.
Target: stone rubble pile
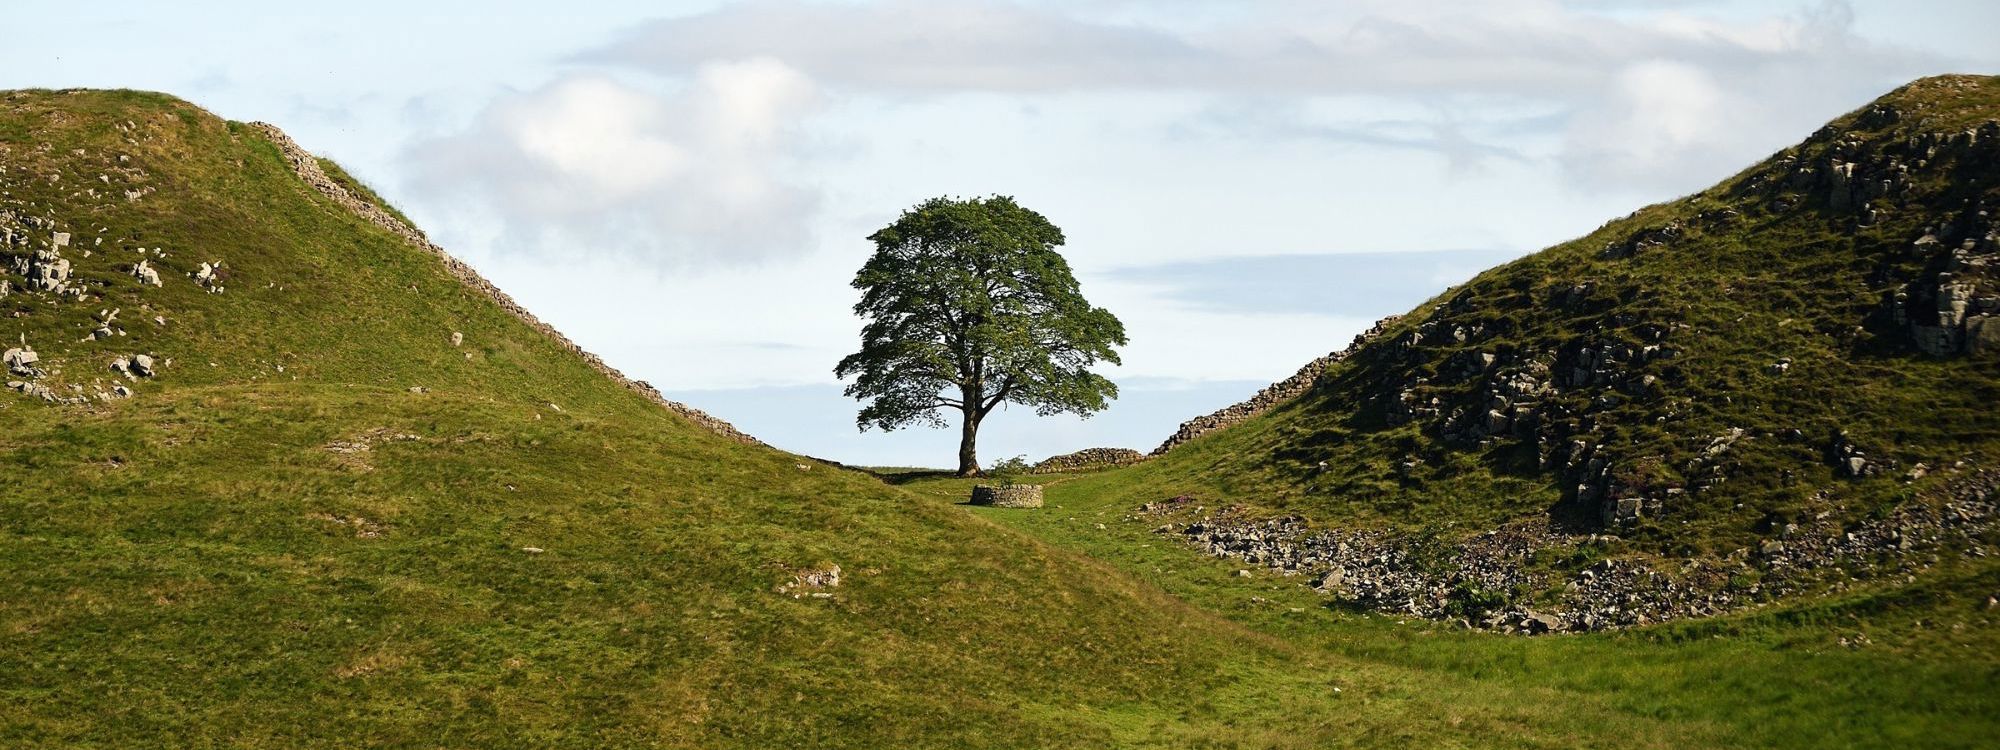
{"x":1492,"y":580}
{"x":39,"y":256}
{"x":135,"y":366}
{"x":45,"y":268}
{"x":812,"y":582}
{"x":21,"y":361}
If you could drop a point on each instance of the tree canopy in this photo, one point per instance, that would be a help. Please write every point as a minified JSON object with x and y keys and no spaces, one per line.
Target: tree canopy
{"x":969,"y":306}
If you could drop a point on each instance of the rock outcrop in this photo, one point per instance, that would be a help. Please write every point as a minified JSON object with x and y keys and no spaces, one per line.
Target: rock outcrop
{"x":146,"y":274}
{"x":21,"y":361}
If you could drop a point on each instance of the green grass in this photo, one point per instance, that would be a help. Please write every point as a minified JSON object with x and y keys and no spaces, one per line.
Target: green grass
{"x":185,"y":563}
{"x":1929,"y":673}
{"x":1804,"y":283}
{"x":202,"y":565}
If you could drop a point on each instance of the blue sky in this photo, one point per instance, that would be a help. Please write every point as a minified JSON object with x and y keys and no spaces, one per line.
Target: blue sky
{"x":684,"y":187}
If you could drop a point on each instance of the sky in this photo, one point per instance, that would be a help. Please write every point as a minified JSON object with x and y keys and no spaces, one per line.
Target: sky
{"x":686,"y":188}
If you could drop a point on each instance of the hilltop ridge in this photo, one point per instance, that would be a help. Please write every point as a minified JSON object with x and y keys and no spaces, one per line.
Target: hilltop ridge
{"x":309,"y":170}
{"x":1753,"y":392}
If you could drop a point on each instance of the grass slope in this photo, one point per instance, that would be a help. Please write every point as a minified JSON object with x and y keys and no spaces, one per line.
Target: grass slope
{"x":218,"y":562}
{"x":215,"y":562}
{"x":1887,"y":666}
{"x":1763,"y":268}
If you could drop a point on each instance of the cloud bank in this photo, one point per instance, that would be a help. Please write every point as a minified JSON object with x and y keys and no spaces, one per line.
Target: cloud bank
{"x":1650,"y":96}
{"x":588,"y":165}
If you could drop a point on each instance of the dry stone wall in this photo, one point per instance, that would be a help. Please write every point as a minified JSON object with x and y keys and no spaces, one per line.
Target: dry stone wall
{"x":1008,"y":496}
{"x":308,"y":169}
{"x":1089,"y":458}
{"x":1276,"y":393}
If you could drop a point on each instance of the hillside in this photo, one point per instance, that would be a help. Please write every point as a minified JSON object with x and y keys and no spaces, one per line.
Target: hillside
{"x":280,"y":473}
{"x":1778,"y":385}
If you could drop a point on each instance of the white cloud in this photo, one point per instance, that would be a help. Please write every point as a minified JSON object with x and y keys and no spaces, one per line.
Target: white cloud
{"x":1648,"y":96}
{"x":589,"y":165}
{"x":1652,"y":118}
{"x":939,"y":45}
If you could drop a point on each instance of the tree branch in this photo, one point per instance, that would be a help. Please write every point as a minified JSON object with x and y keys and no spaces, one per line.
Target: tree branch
{"x":1006,"y":389}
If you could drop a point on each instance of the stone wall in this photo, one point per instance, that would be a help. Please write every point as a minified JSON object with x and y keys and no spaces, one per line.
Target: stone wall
{"x":1008,"y":496}
{"x":308,"y":169}
{"x":1089,"y":458}
{"x":1276,"y":393}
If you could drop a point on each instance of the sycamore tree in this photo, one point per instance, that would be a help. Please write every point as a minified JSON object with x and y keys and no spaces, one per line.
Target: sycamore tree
{"x":969,"y":306}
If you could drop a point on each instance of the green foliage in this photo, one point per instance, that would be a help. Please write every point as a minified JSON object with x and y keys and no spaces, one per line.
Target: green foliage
{"x":1009,"y":471}
{"x":970,"y":306}
{"x":1469,"y":601}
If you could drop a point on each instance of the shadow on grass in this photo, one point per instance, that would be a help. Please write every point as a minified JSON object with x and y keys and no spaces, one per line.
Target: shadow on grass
{"x":902,"y":476}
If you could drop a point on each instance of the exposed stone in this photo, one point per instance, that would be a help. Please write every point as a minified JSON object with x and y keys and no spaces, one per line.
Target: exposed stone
{"x":1008,"y":495}
{"x":457,"y":339}
{"x":21,"y":361}
{"x":46,"y":270}
{"x":1982,"y":334}
{"x":210,"y":276}
{"x":1487,"y":580}
{"x":106,"y":326}
{"x":146,"y":274}
{"x":1641,"y":241}
{"x":35,"y":390}
{"x":812,"y":582}
{"x":1622,"y":510}
{"x":1087,"y":459}
{"x":1271,"y":396}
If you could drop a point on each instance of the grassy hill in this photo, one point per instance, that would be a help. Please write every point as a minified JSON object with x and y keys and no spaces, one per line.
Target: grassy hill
{"x":1776,"y":400}
{"x":1816,"y":339}
{"x":356,"y":500}
{"x":321,"y":522}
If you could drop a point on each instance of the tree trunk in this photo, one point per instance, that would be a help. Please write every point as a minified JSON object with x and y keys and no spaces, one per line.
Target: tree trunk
{"x":968,"y":453}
